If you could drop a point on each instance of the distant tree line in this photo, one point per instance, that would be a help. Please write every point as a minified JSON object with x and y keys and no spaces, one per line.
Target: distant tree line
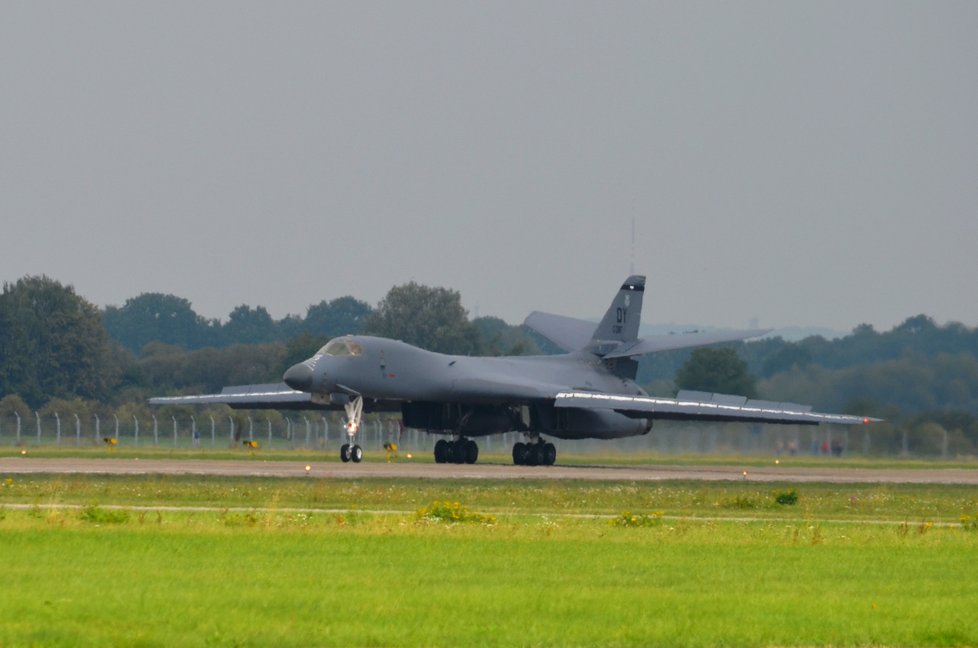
{"x":155,"y":317}
{"x":56,"y":345}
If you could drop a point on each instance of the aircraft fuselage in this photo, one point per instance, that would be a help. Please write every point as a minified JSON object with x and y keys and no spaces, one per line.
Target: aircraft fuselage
{"x":472,"y":396}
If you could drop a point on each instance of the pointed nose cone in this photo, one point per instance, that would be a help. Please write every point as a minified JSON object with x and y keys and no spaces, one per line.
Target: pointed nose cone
{"x":299,"y":377}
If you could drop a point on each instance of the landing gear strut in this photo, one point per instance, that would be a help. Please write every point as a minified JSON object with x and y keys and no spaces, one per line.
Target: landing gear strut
{"x":535,"y":453}
{"x":354,"y":417}
{"x":458,"y":451}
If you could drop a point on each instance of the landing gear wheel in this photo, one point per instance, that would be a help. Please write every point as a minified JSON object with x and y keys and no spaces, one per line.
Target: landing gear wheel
{"x":345,"y":453}
{"x":441,"y":451}
{"x":356,"y":454}
{"x":520,"y":452}
{"x":458,"y":451}
{"x":549,"y":454}
{"x":471,"y":451}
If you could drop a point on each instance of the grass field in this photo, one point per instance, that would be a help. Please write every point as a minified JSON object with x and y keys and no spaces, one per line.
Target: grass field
{"x":609,"y":457}
{"x":95,"y":561}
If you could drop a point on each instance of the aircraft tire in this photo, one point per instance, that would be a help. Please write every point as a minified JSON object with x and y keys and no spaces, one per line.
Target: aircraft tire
{"x":458,"y":452}
{"x":356,"y":454}
{"x":520,"y":452}
{"x":441,"y":451}
{"x":471,"y":451}
{"x":549,"y":452}
{"x":345,"y":453}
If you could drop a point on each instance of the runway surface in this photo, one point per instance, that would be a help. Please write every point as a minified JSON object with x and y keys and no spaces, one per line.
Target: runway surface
{"x":405,"y":469}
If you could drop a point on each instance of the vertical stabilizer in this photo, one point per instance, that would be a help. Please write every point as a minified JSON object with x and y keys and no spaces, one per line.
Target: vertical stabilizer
{"x":620,"y":323}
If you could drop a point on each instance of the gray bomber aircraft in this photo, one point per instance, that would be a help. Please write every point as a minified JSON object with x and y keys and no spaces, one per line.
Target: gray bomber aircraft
{"x":587,"y":392}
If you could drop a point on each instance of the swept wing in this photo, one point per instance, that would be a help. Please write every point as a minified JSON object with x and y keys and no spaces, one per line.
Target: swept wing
{"x":267,"y":396}
{"x":704,"y":406}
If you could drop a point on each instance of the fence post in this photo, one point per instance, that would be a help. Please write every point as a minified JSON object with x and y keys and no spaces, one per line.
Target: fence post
{"x":77,"y":430}
{"x":57,"y":419}
{"x":18,"y":427}
{"x":37,"y":417}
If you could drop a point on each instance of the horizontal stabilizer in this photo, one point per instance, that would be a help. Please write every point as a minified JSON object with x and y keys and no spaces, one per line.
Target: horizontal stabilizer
{"x":671,"y":342}
{"x":568,"y":333}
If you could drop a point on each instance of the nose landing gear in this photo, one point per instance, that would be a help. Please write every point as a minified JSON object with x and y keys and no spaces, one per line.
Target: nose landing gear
{"x":354,"y":417}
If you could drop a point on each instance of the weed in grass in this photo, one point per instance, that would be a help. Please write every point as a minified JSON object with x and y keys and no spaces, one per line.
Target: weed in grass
{"x":633,"y":520}
{"x":446,"y":511}
{"x":141,"y":517}
{"x":97,"y":515}
{"x":969,"y":522}
{"x":817,"y":538}
{"x":244,"y":519}
{"x":786,"y":497}
{"x":744,"y":502}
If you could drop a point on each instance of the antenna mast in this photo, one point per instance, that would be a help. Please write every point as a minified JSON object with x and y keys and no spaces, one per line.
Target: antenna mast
{"x":632,"y":266}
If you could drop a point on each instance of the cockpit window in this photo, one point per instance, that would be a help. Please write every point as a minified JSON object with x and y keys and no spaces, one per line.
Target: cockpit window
{"x":341,"y":347}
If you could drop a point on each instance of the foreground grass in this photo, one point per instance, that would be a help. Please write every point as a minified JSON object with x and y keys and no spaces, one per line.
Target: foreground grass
{"x":301,"y":562}
{"x":97,"y":577}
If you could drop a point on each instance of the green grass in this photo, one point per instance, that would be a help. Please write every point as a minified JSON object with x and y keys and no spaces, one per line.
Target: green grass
{"x":526,"y":570}
{"x":889,"y":502}
{"x":372,"y":454}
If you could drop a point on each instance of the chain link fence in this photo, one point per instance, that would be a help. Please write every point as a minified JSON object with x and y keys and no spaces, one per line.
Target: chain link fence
{"x":311,"y":431}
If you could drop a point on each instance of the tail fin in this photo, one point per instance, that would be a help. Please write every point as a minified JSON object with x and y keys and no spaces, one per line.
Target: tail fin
{"x":620,"y":323}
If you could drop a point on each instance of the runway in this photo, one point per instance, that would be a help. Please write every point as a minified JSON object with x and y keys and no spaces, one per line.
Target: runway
{"x":407,"y":470}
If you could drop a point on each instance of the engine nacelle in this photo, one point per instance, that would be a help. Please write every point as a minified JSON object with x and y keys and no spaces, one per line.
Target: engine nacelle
{"x":572,"y":423}
{"x":467,"y":420}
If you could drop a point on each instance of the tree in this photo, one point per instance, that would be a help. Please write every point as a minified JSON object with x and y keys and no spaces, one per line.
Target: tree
{"x":496,"y":337}
{"x":787,"y":357}
{"x":52,"y":343}
{"x":716,"y":370}
{"x":299,"y":348}
{"x":340,"y":316}
{"x":155,"y":317}
{"x":431,"y":318}
{"x":248,"y":325}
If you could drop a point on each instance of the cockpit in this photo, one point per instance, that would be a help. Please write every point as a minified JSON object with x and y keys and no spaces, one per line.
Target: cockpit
{"x":341,"y":346}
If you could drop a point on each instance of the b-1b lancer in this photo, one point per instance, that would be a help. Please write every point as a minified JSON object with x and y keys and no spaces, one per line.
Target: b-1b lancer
{"x":589,"y":392}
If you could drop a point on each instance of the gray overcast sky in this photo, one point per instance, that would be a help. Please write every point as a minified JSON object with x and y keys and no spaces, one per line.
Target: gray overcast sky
{"x":799,"y":163}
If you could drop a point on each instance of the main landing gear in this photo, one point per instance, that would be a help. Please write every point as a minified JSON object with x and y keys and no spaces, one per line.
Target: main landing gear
{"x":535,"y":453}
{"x":458,"y":451}
{"x":354,"y":416}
